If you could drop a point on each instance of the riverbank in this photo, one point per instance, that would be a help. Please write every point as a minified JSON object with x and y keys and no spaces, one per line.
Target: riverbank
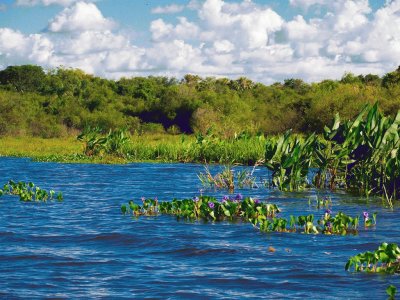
{"x":140,"y":148}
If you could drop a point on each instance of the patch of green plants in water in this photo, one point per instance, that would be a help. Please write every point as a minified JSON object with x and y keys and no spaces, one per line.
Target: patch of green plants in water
{"x":205,"y":208}
{"x":391,"y":291}
{"x":228,"y":178}
{"x":386,"y":259}
{"x":320,"y":202}
{"x":340,"y":224}
{"x":28,"y":192}
{"x":262,"y":215}
{"x":360,"y":156}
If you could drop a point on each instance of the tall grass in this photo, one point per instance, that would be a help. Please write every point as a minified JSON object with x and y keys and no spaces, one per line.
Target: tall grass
{"x":361,"y":155}
{"x":149,"y":147}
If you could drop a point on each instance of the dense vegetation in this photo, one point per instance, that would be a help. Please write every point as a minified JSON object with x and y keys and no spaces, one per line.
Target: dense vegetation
{"x":64,"y":101}
{"x":361,"y":155}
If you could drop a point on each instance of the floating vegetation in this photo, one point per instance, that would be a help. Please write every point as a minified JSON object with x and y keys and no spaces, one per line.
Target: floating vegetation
{"x":28,"y":192}
{"x":391,"y":291}
{"x":228,"y":178}
{"x":340,"y":224}
{"x":205,"y":208}
{"x":386,"y":259}
{"x":262,"y":215}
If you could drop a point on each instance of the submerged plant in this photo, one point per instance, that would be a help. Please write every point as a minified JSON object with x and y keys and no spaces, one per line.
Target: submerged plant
{"x":29,"y":192}
{"x":386,"y":259}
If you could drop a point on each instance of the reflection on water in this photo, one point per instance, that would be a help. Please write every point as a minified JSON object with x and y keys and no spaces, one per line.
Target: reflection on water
{"x":84,"y":247}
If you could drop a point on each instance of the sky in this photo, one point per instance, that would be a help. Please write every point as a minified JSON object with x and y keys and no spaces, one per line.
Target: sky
{"x":264,"y":40}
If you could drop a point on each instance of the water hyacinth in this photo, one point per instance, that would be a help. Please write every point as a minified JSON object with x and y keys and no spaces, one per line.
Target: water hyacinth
{"x":239,"y":197}
{"x":198,"y":208}
{"x":27,"y":192}
{"x":261,"y":215}
{"x":368,"y":222}
{"x":386,"y":259}
{"x":225,"y":199}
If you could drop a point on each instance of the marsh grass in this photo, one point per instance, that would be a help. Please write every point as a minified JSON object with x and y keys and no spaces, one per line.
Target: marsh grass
{"x":139,"y":148}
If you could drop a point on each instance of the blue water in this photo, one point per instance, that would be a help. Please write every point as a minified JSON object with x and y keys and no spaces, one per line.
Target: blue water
{"x":84,"y":248}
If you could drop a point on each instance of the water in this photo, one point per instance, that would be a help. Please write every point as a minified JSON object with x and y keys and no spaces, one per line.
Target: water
{"x":84,"y":248}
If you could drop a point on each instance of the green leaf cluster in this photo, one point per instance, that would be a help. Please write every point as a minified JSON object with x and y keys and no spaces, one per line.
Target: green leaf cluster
{"x":27,"y":192}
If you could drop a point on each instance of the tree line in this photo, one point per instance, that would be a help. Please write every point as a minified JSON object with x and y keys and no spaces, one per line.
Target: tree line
{"x":64,"y":101}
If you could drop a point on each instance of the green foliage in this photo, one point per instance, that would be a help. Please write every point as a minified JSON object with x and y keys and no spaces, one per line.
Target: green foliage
{"x":261,"y":215}
{"x":205,"y":208}
{"x":33,"y":102}
{"x":391,"y":291}
{"x":23,"y":79}
{"x":228,"y":178}
{"x":28,"y":192}
{"x":360,"y":155}
{"x":95,"y":142}
{"x":386,"y":259}
{"x":289,"y":159}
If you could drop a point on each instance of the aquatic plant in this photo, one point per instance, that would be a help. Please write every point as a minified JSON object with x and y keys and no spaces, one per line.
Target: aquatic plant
{"x":391,"y":290}
{"x":368,"y":222}
{"x":228,"y":178}
{"x":149,"y":207}
{"x":386,"y":259}
{"x":261,"y":215}
{"x":29,"y":192}
{"x":320,"y":202}
{"x":339,"y":224}
{"x":360,"y":155}
{"x":205,"y":208}
{"x":289,"y":159}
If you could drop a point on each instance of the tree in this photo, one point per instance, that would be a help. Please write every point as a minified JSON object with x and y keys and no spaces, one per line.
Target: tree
{"x":26,"y":78}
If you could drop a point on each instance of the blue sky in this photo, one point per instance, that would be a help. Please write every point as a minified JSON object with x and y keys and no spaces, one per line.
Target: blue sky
{"x":265,"y":40}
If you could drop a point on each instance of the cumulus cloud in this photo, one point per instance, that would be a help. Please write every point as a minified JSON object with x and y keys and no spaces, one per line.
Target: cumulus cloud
{"x":169,"y":9}
{"x":226,"y":39}
{"x":79,"y":17}
{"x":183,"y":30}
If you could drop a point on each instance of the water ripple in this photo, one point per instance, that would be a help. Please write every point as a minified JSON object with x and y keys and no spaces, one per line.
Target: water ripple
{"x":85,"y":248}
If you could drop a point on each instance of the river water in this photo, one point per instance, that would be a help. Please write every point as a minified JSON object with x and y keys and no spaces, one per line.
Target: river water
{"x":85,"y":248}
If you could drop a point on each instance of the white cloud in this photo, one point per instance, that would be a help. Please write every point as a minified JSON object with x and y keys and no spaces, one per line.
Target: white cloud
{"x":228,"y":38}
{"x":169,"y":9}
{"x":223,"y":46}
{"x":80,"y":16}
{"x":183,"y":30}
{"x":3,"y":7}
